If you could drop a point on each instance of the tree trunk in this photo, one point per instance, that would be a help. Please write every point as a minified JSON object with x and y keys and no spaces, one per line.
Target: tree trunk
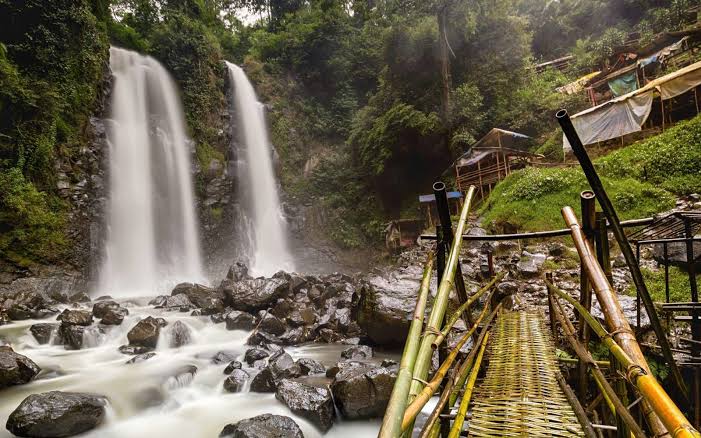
{"x":446,"y":84}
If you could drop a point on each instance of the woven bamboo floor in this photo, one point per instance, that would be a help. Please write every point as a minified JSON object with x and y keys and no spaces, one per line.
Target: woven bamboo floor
{"x":519,"y":395}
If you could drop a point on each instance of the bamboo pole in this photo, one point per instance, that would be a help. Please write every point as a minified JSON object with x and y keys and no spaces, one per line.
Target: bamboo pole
{"x":467,"y":395}
{"x":610,"y":306}
{"x":668,"y":412}
{"x":423,"y":358}
{"x":392,"y":422}
{"x":427,"y":392}
{"x":464,"y":307}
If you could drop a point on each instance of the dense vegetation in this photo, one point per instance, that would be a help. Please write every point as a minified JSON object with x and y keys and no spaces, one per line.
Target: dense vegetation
{"x":370,"y":100}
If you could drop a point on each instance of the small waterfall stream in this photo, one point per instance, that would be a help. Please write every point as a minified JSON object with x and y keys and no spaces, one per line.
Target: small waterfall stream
{"x":152,"y":238}
{"x":265,"y":243}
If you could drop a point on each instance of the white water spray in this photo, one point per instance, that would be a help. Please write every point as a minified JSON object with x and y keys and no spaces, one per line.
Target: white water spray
{"x":152,"y":239}
{"x":265,"y":226}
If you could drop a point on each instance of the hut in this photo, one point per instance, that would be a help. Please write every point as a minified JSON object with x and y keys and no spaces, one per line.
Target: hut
{"x":402,"y":233}
{"x":491,"y":159}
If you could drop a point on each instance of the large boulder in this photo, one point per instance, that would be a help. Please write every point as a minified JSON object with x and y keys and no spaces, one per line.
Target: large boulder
{"x":71,"y":336}
{"x":236,"y":381}
{"x":310,"y":402}
{"x":76,"y":317}
{"x":255,"y":294}
{"x":310,"y":367}
{"x":15,"y":369}
{"x":255,"y":354}
{"x":280,"y":366}
{"x":42,"y":332}
{"x":114,"y":316}
{"x":362,"y":390}
{"x":272,"y":325}
{"x":100,"y":308}
{"x":357,"y":352}
{"x":384,"y":309}
{"x":263,"y":426}
{"x":180,"y":335}
{"x":178,"y":302}
{"x":207,"y":299}
{"x":57,"y":414}
{"x":237,"y":320}
{"x":145,"y":333}
{"x":237,"y":272}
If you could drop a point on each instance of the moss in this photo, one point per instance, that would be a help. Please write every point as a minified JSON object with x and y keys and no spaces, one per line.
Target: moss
{"x":678,"y":284}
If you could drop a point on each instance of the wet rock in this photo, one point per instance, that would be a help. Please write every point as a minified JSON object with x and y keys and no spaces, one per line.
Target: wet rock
{"x":57,"y":414}
{"x":114,"y":316}
{"x":357,"y":352}
{"x":296,"y":336}
{"x":100,"y":308}
{"x":208,"y":300}
{"x":4,"y":317}
{"x":223,"y":357}
{"x":236,"y":381}
{"x":76,"y":317}
{"x":557,"y":249}
{"x":253,"y":295}
{"x":255,"y":354}
{"x":676,"y":254}
{"x":15,"y":369}
{"x":237,"y":320}
{"x":262,"y":339}
{"x":180,"y":335}
{"x":42,"y":332}
{"x":238,"y":272}
{"x":389,"y":363}
{"x":234,"y":365}
{"x":263,"y":426}
{"x":217,"y":318}
{"x":383,"y":312}
{"x":141,"y":358}
{"x":133,"y":349}
{"x":178,"y":302}
{"x":529,"y":264}
{"x":80,"y":297}
{"x":71,"y":336}
{"x":310,"y":402}
{"x":272,"y":325}
{"x":282,"y":366}
{"x":310,"y":367}
{"x":145,"y":333}
{"x":362,"y":390}
{"x":263,"y":381}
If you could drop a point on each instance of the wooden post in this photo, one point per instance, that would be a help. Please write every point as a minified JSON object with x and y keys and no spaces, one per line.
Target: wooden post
{"x":551,"y":309}
{"x":696,"y":100}
{"x":637,"y":293}
{"x":588,"y":203}
{"x":695,"y":323}
{"x":662,"y":103}
{"x":498,"y":168}
{"x":603,"y":252}
{"x":479,"y":174}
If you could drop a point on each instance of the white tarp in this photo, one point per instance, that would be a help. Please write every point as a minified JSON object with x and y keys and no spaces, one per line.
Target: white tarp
{"x":626,"y":114}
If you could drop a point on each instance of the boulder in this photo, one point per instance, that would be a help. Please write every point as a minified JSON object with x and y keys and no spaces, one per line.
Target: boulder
{"x":80,"y":297}
{"x":263,"y":381}
{"x":178,"y":302}
{"x":15,"y":369}
{"x":310,"y":367}
{"x":236,"y":381}
{"x":255,"y":294}
{"x":234,"y":365}
{"x":207,"y":299}
{"x":179,"y":335}
{"x":676,"y":254}
{"x":100,"y":308}
{"x":272,"y":325}
{"x":141,"y":358}
{"x":42,"y":332}
{"x":237,"y":320}
{"x":310,"y":402}
{"x":362,"y":390}
{"x":255,"y":354}
{"x":76,"y":317}
{"x":357,"y":352}
{"x":384,"y":308}
{"x":282,"y":366}
{"x":71,"y":336}
{"x":529,"y":264}
{"x":145,"y":333}
{"x":57,"y":414}
{"x":223,"y":357}
{"x":263,"y":426}
{"x":238,"y":272}
{"x":114,"y":316}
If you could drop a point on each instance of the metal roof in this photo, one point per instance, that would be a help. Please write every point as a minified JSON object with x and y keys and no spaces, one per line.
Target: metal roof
{"x":671,"y":226}
{"x":432,"y":198}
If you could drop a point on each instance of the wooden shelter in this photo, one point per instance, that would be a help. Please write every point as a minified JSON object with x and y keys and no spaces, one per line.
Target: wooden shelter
{"x":402,"y":233}
{"x":491,"y":159}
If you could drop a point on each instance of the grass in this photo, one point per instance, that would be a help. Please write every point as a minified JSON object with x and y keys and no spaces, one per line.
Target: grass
{"x":641,"y":179}
{"x":678,"y":284}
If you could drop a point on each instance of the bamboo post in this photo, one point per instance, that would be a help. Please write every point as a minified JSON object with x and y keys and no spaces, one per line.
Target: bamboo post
{"x":617,"y":229}
{"x":576,"y":407}
{"x":423,"y":358}
{"x":392,"y":422}
{"x":659,"y":401}
{"x":603,"y":251}
{"x":588,"y":203}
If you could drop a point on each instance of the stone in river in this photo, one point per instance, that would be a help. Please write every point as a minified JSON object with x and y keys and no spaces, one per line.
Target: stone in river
{"x":15,"y":369}
{"x":310,"y":402}
{"x":236,"y":381}
{"x":145,"y":333}
{"x":263,"y":426}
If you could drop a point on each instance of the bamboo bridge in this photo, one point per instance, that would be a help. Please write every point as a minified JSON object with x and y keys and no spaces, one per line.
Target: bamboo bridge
{"x":510,"y":383}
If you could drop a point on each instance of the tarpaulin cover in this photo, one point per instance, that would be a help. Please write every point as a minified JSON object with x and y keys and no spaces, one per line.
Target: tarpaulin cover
{"x":624,"y":84}
{"x":626,"y":114}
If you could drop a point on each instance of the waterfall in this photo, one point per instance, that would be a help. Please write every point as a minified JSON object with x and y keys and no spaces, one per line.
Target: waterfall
{"x":264,"y":227}
{"x":152,"y":239}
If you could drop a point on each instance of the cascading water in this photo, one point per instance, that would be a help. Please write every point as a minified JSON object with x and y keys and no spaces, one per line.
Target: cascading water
{"x":152,"y":239}
{"x":264,"y":225}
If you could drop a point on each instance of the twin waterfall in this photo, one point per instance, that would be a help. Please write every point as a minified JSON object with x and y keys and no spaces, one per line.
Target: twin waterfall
{"x":263,"y":221}
{"x":152,"y":240}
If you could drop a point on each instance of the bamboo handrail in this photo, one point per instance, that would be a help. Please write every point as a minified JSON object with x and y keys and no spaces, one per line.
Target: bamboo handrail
{"x":660,"y":402}
{"x":392,"y":422}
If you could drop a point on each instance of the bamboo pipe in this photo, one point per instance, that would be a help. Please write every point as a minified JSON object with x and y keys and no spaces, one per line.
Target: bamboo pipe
{"x":392,"y":422}
{"x":612,"y":400}
{"x":668,"y":412}
{"x":427,"y":392}
{"x":467,"y":395}
{"x":610,"y":306}
{"x":423,"y":358}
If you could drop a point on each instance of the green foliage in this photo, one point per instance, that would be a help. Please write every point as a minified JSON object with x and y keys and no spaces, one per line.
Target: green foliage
{"x":679,"y":289}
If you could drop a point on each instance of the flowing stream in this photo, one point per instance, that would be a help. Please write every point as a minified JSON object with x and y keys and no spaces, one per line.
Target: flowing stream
{"x":146,"y":400}
{"x":265,"y":241}
{"x":152,"y":238}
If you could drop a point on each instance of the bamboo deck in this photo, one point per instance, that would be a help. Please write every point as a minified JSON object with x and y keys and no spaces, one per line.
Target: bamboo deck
{"x":520,"y":395}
